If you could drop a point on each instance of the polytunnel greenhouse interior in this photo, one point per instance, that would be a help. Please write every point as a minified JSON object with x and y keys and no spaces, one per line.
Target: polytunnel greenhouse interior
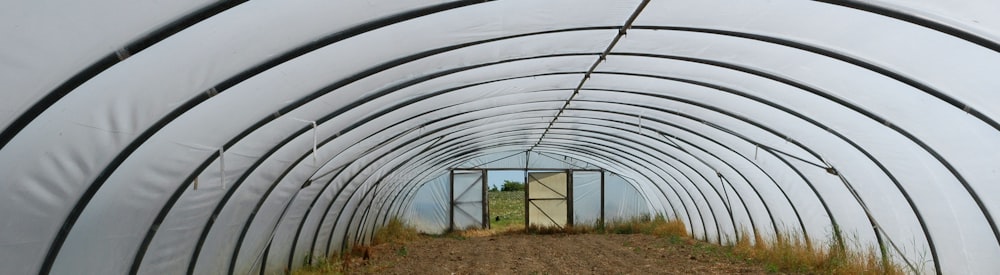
{"x":244,"y":137}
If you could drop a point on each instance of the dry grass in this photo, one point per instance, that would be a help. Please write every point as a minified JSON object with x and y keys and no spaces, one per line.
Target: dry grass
{"x":335,"y":265}
{"x":395,"y":231}
{"x":787,"y":253}
{"x":657,"y":226}
{"x":790,"y":253}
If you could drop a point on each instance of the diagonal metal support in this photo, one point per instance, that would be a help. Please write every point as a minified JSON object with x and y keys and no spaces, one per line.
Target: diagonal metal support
{"x":547,"y":187}
{"x":546,"y":215}
{"x":466,"y":213}
{"x":468,"y":189}
{"x":621,"y":33}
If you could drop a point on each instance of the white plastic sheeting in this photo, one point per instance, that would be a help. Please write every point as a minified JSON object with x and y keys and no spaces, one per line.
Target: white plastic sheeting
{"x":587,"y":197}
{"x":307,"y":124}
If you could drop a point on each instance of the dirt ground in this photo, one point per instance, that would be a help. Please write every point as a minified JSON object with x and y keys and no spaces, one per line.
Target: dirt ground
{"x":550,"y":254}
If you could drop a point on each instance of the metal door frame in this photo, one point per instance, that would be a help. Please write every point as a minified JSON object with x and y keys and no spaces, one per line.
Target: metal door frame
{"x":453,"y":203}
{"x":485,"y":188}
{"x":568,"y":197}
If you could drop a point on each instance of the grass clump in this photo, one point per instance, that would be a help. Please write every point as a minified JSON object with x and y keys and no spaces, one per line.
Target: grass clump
{"x":396,"y":231}
{"x":790,"y":253}
{"x":784,"y":253}
{"x":787,"y":253}
{"x":354,"y":259}
{"x":656,"y":225}
{"x":333,"y":265}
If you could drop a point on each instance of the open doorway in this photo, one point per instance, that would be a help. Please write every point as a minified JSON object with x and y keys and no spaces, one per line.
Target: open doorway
{"x":506,"y":199}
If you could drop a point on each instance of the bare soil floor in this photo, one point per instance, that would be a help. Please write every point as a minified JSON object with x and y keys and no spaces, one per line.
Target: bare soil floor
{"x":550,"y":254}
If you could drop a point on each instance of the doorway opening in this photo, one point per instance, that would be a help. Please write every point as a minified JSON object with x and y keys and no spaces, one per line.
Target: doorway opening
{"x":506,"y":199}
{"x":510,"y":199}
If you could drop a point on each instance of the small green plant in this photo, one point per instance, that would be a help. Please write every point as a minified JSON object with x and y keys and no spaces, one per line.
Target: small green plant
{"x":770,"y":268}
{"x":674,"y":239}
{"x":402,"y":251}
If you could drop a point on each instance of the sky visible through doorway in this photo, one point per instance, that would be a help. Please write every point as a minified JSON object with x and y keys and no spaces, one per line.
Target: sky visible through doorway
{"x":496,"y":178}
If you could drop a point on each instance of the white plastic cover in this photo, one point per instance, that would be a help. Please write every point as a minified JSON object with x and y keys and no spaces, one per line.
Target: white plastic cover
{"x":187,"y":136}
